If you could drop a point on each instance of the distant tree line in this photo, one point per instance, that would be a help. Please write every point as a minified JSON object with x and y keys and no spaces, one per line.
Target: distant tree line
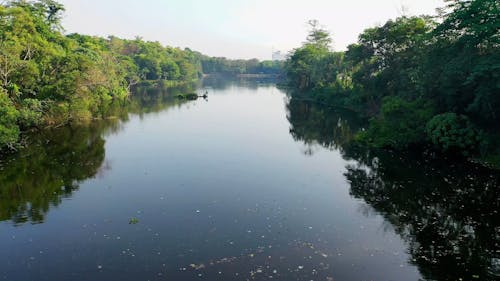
{"x":420,"y":80}
{"x":227,"y":67}
{"x":48,"y":78}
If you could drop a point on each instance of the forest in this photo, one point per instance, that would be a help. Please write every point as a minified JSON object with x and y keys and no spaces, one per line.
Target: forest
{"x":230,"y":68}
{"x":421,"y":81}
{"x":48,"y":78}
{"x":431,"y":81}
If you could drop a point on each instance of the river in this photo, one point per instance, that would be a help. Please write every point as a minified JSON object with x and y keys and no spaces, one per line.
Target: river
{"x":247,"y":185}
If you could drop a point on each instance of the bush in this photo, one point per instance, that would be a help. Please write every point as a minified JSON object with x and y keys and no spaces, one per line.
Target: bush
{"x":450,"y":131}
{"x":399,"y":124}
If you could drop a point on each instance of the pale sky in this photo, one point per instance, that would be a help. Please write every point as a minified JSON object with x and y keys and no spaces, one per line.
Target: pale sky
{"x":235,"y":28}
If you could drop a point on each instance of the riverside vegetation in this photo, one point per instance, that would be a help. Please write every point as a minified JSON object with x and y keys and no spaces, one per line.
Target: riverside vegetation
{"x":313,"y":199}
{"x":48,"y":78}
{"x":230,"y":189}
{"x":421,"y":81}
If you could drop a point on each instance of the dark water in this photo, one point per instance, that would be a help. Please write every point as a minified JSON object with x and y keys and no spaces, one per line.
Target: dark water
{"x":248,"y":185}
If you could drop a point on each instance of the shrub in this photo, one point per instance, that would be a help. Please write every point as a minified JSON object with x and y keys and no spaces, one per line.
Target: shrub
{"x":450,"y":131}
{"x":399,"y":124}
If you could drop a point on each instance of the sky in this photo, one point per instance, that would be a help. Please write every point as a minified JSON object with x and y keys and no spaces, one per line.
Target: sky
{"x":235,"y":28}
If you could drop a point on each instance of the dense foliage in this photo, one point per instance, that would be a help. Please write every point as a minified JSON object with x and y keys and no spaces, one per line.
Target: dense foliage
{"x":47,"y":78}
{"x":452,"y":131}
{"x":411,"y":75}
{"x":226,"y":67}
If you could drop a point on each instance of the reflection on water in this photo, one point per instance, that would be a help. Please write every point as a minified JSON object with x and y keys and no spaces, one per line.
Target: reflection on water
{"x":55,"y":161}
{"x":50,"y":169}
{"x":447,"y":213}
{"x":219,"y":84}
{"x":157,"y":98}
{"x":251,"y":185}
{"x":316,"y":125}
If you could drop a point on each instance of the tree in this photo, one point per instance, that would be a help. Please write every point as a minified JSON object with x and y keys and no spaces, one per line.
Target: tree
{"x":49,"y":78}
{"x":410,"y":69}
{"x":51,"y":11}
{"x":318,"y":36}
{"x":306,"y":65}
{"x":463,"y":63}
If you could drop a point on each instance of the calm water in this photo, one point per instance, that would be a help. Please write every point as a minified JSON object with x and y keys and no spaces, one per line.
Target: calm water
{"x":248,"y":185}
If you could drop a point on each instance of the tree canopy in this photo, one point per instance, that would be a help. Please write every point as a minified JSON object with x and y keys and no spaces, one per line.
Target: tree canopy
{"x":48,"y":78}
{"x":413,"y":73}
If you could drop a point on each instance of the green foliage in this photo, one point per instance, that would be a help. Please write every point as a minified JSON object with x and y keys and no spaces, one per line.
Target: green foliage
{"x":385,"y":61}
{"x":408,"y":70}
{"x":31,"y":113}
{"x":227,"y":67}
{"x":464,"y":61}
{"x":189,"y":96}
{"x":49,"y":78}
{"x":9,"y":131}
{"x":318,"y":36}
{"x":310,"y":66}
{"x":399,"y":123}
{"x":451,"y":131}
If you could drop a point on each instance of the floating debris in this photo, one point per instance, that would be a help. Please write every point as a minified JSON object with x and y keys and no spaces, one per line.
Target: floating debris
{"x":197,"y":266}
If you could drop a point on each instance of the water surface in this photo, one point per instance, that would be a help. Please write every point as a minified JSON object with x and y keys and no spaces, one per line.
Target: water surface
{"x":249,"y":185}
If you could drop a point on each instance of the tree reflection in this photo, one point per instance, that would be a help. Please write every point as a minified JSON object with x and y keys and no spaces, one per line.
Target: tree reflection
{"x":447,"y":214}
{"x":224,"y":83}
{"x":313,"y":124}
{"x":156,"y":98}
{"x":49,"y":170}
{"x":56,"y":161}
